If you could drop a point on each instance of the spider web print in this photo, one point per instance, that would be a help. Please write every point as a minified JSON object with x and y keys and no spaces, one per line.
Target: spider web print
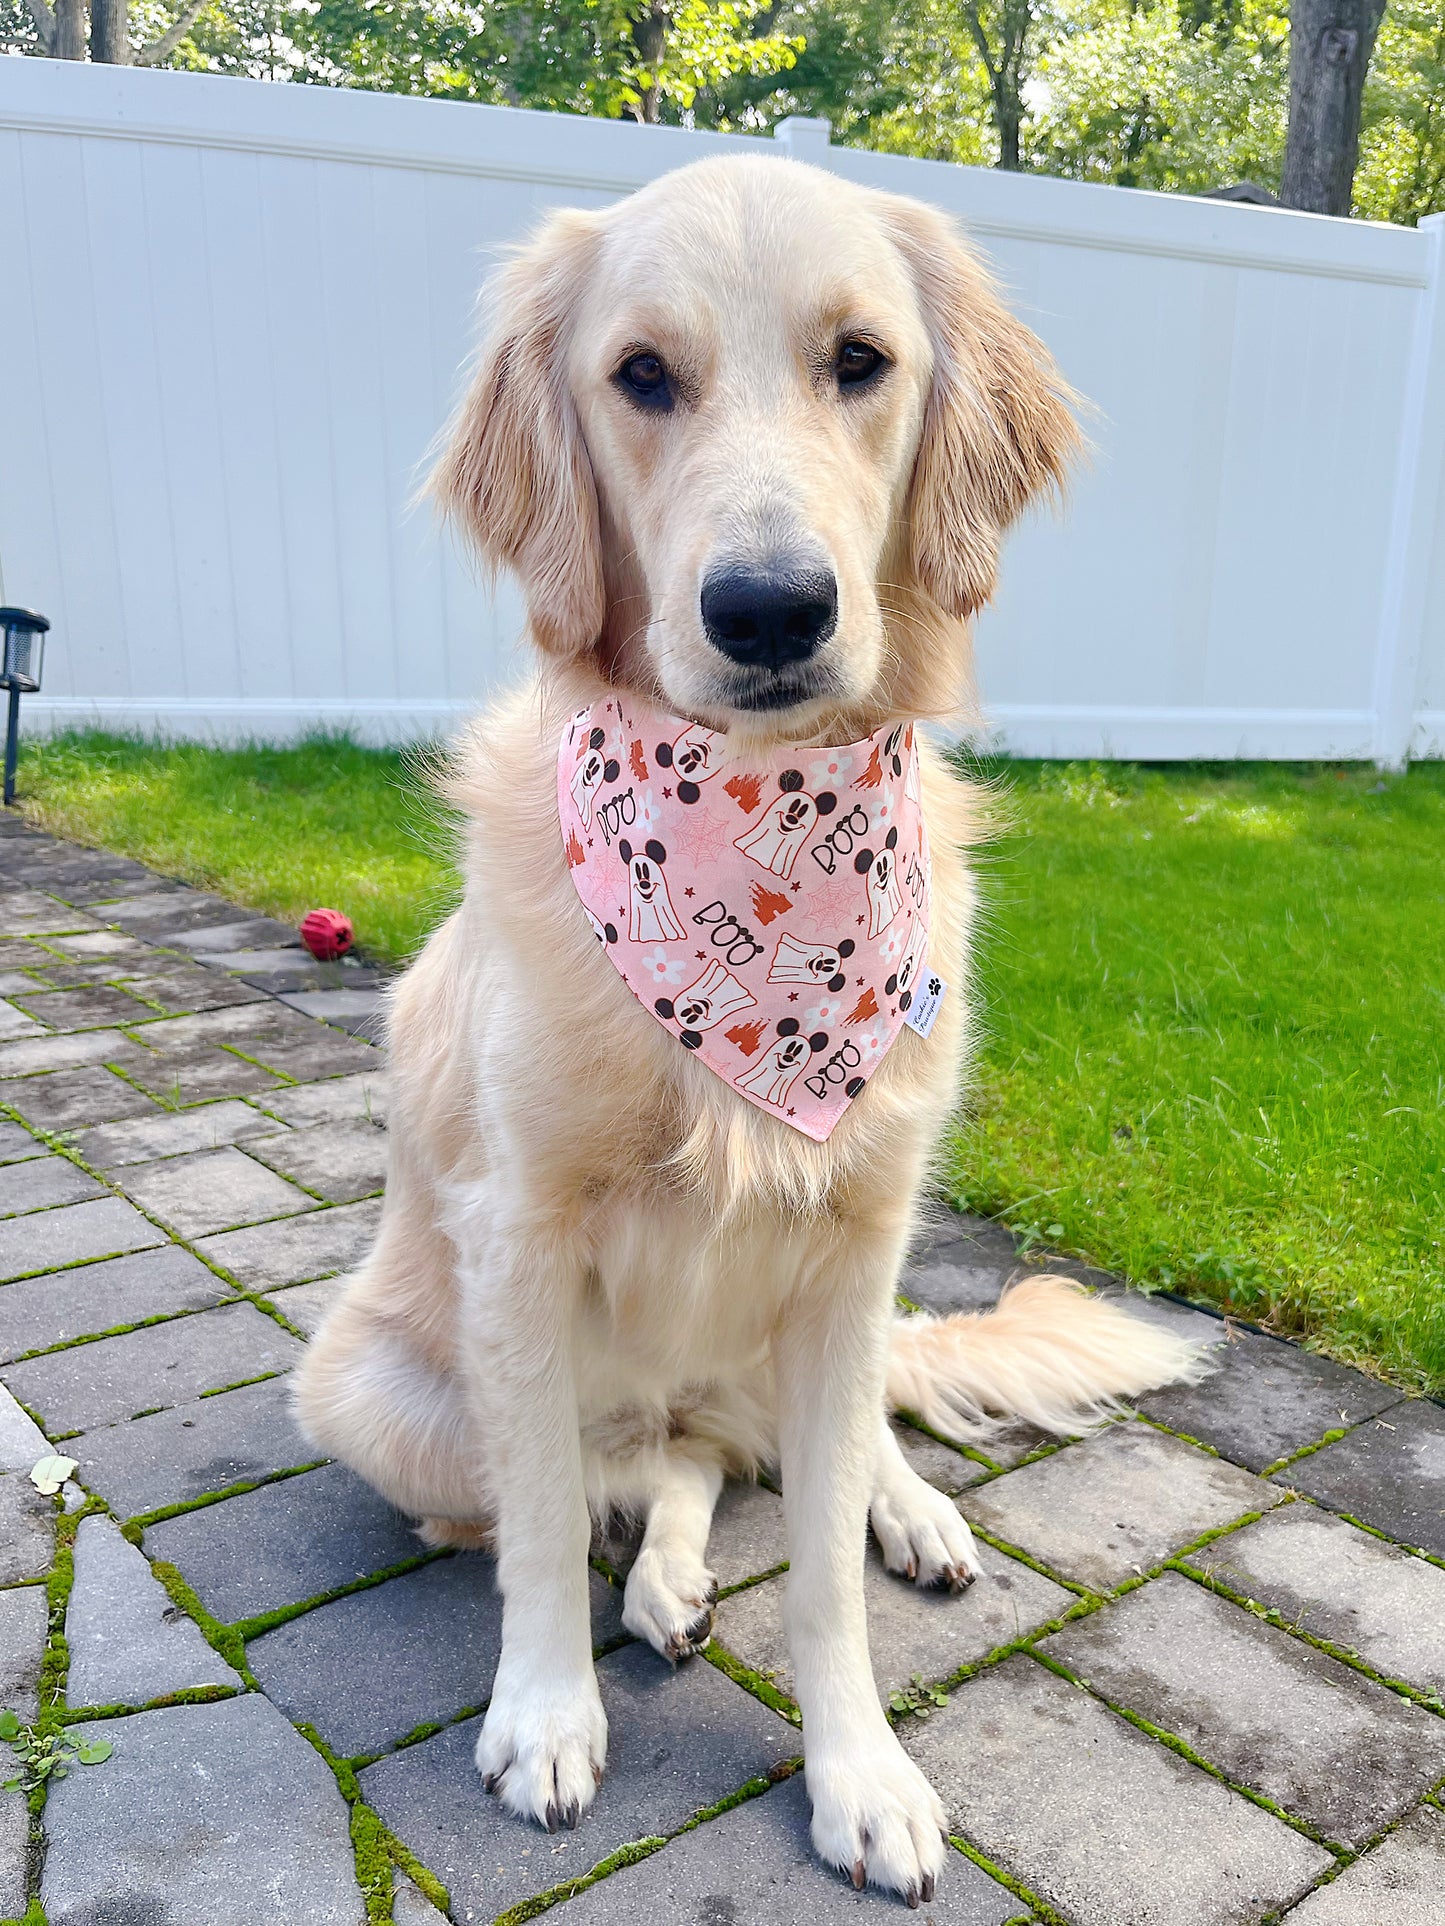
{"x":769,"y":911}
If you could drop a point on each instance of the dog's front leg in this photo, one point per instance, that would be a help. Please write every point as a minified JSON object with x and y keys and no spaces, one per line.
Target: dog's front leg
{"x":544,"y":1739}
{"x":874,"y":1813}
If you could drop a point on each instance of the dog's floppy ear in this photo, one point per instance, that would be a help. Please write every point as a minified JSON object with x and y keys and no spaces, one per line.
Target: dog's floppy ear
{"x":514,"y":472}
{"x":998,"y":427}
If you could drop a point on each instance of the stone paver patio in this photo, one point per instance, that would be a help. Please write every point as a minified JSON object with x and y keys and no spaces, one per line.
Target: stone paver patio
{"x":1199,"y":1684}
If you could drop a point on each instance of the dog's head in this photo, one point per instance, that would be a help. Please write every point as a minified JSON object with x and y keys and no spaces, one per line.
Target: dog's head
{"x":752,"y":436}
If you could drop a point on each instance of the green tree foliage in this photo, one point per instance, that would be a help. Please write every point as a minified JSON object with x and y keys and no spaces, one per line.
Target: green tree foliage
{"x":1180,"y":95}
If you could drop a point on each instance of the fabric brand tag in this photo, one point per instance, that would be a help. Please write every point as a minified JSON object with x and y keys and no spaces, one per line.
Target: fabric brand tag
{"x":925,"y":1005}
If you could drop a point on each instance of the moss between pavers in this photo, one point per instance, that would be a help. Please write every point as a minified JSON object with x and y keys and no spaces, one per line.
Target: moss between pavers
{"x":1039,"y":1908}
{"x":1431,"y":1701}
{"x":144,"y":1519}
{"x":1173,"y":1743}
{"x":758,"y":1683}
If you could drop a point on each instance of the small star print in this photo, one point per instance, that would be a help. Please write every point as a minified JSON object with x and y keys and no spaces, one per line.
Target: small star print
{"x":860,"y":983}
{"x":796,"y":888}
{"x":701,"y":955}
{"x":589,"y":842}
{"x":689,"y":891}
{"x":667,"y":795}
{"x":791,"y":1111}
{"x":862,"y":919}
{"x":792,"y":996}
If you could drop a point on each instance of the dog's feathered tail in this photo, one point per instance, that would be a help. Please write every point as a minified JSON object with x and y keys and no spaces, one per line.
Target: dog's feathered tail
{"x":1049,"y":1354}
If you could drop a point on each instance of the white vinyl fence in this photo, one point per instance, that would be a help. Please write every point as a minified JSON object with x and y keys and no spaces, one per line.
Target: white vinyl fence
{"x":232,"y":317}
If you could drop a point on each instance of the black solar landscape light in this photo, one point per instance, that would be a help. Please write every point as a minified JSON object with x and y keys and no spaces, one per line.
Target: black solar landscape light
{"x":24,"y":633}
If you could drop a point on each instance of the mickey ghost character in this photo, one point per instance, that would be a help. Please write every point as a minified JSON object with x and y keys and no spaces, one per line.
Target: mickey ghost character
{"x":714,"y":996}
{"x":903,"y":980}
{"x":784,"y":826}
{"x":779,"y":1068}
{"x":693,"y":756}
{"x":885,"y":899}
{"x":650,"y":915}
{"x":810,"y":963}
{"x":591,"y":772}
{"x":604,"y":932}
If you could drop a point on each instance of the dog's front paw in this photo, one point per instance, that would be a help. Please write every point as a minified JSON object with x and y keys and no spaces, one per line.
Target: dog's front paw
{"x":877,"y":1818}
{"x":922,"y":1536}
{"x":669,"y":1602}
{"x":542,"y":1751}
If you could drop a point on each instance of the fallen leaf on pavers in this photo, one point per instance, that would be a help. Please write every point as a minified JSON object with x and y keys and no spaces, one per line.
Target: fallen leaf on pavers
{"x":51,"y":1473}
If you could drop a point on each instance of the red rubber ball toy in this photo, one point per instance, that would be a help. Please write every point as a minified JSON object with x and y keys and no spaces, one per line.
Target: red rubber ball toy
{"x":327,"y":934}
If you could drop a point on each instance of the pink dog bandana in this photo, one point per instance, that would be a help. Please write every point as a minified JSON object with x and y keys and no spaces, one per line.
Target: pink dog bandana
{"x":771,"y":911}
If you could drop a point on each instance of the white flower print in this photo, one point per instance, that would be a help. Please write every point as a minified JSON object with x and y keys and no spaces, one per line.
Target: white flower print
{"x":662,"y":968}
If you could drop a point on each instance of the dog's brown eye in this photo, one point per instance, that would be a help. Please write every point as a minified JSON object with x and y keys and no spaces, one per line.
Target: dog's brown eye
{"x":643,"y":379}
{"x":857,"y":362}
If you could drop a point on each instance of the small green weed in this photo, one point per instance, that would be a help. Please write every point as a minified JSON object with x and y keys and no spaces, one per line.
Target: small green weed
{"x":917,"y":1700}
{"x":43,"y":1755}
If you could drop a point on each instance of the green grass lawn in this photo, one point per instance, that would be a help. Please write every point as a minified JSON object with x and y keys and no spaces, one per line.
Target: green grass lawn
{"x":1213,"y":999}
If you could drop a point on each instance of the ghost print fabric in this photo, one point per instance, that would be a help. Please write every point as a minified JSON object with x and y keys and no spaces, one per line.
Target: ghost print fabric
{"x":769,"y":911}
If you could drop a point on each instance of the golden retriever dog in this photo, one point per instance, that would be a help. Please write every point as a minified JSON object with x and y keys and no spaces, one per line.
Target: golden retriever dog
{"x":604,"y":1280}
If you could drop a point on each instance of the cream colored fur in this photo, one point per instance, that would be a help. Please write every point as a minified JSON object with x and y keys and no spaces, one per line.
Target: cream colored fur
{"x":602,"y":1279}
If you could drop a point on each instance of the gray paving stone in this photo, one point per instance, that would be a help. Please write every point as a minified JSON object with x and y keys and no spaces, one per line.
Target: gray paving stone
{"x":164,"y":912}
{"x":1115,"y":1505}
{"x":26,"y":912}
{"x":1268,"y":1399}
{"x":361,"y":1011}
{"x":128,"y":1643}
{"x":932,"y":1633}
{"x":24,"y":1624}
{"x":77,"y":1232}
{"x":341,"y":1162}
{"x":22,"y":1441}
{"x":14,"y":1839}
{"x":27,"y":1530}
{"x":88,"y":1009}
{"x":939,"y":1465}
{"x":17,"y":982}
{"x":296,"y":1249}
{"x":1367,"y":1596}
{"x":42,"y":1182}
{"x":337,"y":1098}
{"x":267,"y":1032}
{"x":33,"y":1056}
{"x":755,"y":1865}
{"x":211,"y":1190}
{"x":678,"y":1740}
{"x":170,"y":1134}
{"x":958,"y":1263}
{"x":153,"y":1368}
{"x":252,"y":932}
{"x":304,"y":1305}
{"x":409,"y":1907}
{"x":17,"y":1022}
{"x":1106,"y":1825}
{"x":1400,"y":1883}
{"x":16,"y":1142}
{"x":183,"y":1454}
{"x":205,"y":1815}
{"x":257,"y":961}
{"x":59,"y":1306}
{"x":1318,"y":1738}
{"x":101,"y":943}
{"x":1390,"y":1473}
{"x":284,"y":1543}
{"x":68,"y":1099}
{"x":368,"y":1669}
{"x":200,"y":1075}
{"x":182,"y":989}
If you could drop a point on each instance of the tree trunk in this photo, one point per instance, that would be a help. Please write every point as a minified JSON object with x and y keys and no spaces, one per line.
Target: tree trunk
{"x":1008,"y":112}
{"x":649,"y":34}
{"x":1331,"y":42}
{"x":69,"y":30}
{"x":109,"y":41}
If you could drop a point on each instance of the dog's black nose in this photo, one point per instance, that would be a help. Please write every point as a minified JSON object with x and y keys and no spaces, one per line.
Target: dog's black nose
{"x":766,"y":617}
